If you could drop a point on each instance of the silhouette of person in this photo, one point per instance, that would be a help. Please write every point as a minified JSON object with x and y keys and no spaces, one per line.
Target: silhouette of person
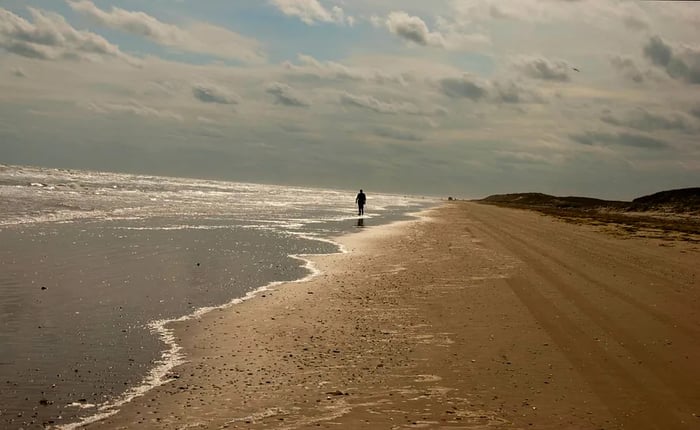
{"x":361,"y":199}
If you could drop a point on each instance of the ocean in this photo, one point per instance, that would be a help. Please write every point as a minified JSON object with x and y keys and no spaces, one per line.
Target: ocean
{"x":93,"y":266}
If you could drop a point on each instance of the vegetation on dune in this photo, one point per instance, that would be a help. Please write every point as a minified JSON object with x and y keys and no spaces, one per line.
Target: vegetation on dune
{"x":686,"y":200}
{"x":663,"y":214}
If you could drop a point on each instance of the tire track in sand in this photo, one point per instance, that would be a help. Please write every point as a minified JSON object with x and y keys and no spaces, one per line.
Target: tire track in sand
{"x":651,"y":393}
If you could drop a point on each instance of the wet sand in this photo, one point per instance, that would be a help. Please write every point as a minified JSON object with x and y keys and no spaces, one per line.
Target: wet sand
{"x":476,"y":317}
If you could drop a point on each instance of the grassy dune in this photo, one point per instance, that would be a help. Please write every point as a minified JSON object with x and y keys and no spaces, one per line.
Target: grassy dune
{"x":667,"y":214}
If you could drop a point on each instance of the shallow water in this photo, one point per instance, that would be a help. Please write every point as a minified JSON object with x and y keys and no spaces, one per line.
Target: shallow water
{"x":89,"y":262}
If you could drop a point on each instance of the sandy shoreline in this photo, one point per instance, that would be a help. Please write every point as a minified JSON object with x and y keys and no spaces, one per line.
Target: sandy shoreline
{"x":480,"y":317}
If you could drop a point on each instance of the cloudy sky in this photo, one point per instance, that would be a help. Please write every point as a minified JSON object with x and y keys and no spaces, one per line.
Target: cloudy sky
{"x":442,"y":97}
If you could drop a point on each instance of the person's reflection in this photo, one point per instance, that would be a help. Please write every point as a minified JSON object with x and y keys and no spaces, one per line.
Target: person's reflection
{"x":360,"y":222}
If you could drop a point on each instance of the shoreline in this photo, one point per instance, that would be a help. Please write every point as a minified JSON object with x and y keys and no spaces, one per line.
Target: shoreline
{"x":173,"y":356}
{"x":167,"y":330}
{"x":447,"y":322}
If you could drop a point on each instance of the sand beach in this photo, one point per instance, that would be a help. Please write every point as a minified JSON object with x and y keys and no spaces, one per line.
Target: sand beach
{"x":473,"y":316}
{"x":338,"y":214}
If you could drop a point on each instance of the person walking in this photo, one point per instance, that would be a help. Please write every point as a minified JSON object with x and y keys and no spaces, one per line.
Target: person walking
{"x":361,"y":199}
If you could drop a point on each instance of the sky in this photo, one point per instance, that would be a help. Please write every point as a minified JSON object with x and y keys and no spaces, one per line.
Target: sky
{"x":463,"y":98}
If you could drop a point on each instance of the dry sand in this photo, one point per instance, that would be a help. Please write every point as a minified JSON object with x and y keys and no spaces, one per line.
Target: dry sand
{"x":478,"y":317}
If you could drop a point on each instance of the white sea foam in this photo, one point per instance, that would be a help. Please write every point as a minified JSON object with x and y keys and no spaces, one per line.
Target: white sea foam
{"x":178,"y":227}
{"x":173,"y":356}
{"x":37,"y":196}
{"x":81,"y":405}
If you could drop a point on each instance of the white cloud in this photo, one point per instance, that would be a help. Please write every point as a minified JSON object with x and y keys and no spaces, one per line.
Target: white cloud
{"x":205,"y":120}
{"x":489,"y":91}
{"x":448,"y":35}
{"x":627,"y":66}
{"x":519,"y":157}
{"x":544,"y":69}
{"x":210,"y":93}
{"x":50,"y":37}
{"x":386,"y":107}
{"x":628,"y":13}
{"x":456,"y":41}
{"x":413,"y":29}
{"x":379,"y":94}
{"x":286,"y":95}
{"x":374,"y":104}
{"x":396,"y":134}
{"x":513,"y":92}
{"x":132,"y":108}
{"x":312,"y":12}
{"x":642,"y":119}
{"x":680,"y":12}
{"x":338,"y":71}
{"x":18,"y":72}
{"x":630,"y":69}
{"x":197,"y":37}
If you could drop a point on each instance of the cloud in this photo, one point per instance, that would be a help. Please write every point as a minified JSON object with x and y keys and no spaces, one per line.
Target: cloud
{"x":497,"y":12}
{"x":205,"y":120}
{"x":635,"y":22}
{"x":391,"y":108}
{"x":198,"y":37}
{"x":544,"y":69}
{"x":337,"y":71}
{"x":695,"y":111}
{"x":396,"y":134}
{"x":512,"y":92}
{"x":641,"y":119}
{"x":463,"y":87}
{"x":456,"y":41}
{"x":604,"y":14}
{"x":391,"y":87}
{"x":519,"y":158}
{"x":286,"y":95}
{"x":209,"y":93}
{"x":18,"y":72}
{"x":622,"y":139}
{"x":627,"y":67}
{"x":312,"y":12}
{"x":682,"y":65}
{"x":50,"y":37}
{"x":132,"y":108}
{"x":497,"y":91}
{"x":658,"y":51}
{"x":413,"y":29}
{"x":374,"y":104}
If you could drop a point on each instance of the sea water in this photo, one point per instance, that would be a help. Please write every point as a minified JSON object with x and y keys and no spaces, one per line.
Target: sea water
{"x":93,"y":265}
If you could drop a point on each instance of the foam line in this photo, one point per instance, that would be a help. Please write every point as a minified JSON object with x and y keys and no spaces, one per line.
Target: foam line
{"x":173,"y":355}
